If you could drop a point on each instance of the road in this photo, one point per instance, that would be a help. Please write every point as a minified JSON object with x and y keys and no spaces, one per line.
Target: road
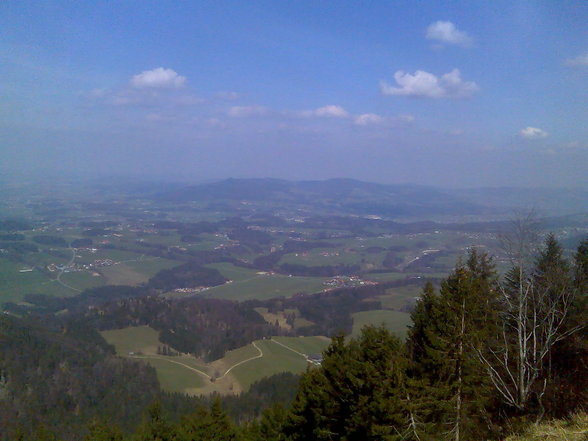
{"x":204,"y":374}
{"x":64,"y":267}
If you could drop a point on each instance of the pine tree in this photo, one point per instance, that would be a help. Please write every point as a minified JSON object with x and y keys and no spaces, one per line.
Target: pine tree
{"x":356,"y":394}
{"x":156,"y":428}
{"x":99,"y":431}
{"x":207,"y":425}
{"x":450,"y":330}
{"x":568,"y":388}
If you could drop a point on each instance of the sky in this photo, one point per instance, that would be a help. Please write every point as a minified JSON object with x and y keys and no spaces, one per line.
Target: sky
{"x":443,"y":93}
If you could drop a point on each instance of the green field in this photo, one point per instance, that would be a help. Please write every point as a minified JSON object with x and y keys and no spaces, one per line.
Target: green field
{"x":175,"y":378}
{"x":14,"y":285}
{"x":306,"y":345}
{"x":275,"y":359}
{"x":176,"y":374}
{"x":232,"y":272}
{"x":265,"y":287}
{"x":134,"y":272}
{"x":137,"y":339}
{"x":395,"y":321}
{"x":397,"y":298}
{"x":173,"y":373}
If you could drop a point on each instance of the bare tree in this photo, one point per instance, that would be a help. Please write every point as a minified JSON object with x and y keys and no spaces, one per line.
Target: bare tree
{"x":532,"y":320}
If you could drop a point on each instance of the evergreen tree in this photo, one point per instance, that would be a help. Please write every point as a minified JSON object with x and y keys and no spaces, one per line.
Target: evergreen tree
{"x":271,"y":426}
{"x":356,"y":394}
{"x":99,"y":431}
{"x":567,"y":390}
{"x":450,"y":331}
{"x":207,"y":425}
{"x":156,"y":428}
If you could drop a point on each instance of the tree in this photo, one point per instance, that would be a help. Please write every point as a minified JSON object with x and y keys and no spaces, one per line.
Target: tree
{"x":99,"y":431}
{"x":567,"y":390}
{"x":356,"y":394}
{"x":156,"y":428}
{"x":207,"y":425}
{"x":449,"y":330}
{"x":536,"y":302}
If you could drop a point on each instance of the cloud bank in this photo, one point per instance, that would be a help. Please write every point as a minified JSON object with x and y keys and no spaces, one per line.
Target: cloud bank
{"x":426,"y":85}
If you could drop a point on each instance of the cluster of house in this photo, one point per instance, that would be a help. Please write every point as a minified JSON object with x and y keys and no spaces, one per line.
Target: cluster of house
{"x":347,"y":282}
{"x":80,"y":267}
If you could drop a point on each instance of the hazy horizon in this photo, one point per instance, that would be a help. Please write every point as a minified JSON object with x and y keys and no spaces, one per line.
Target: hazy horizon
{"x":455,"y":96}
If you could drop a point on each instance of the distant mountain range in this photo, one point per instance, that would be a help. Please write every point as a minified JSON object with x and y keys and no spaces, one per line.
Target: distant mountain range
{"x":349,"y":196}
{"x":337,"y":196}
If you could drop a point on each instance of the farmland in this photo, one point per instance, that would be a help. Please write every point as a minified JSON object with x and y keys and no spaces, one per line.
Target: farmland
{"x":395,"y":321}
{"x":235,"y":372}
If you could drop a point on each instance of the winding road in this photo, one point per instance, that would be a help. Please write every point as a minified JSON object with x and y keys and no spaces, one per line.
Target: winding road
{"x":64,"y":267}
{"x":204,"y":374}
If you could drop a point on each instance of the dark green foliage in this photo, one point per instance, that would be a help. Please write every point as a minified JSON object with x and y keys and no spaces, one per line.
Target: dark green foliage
{"x":391,"y":260}
{"x":81,"y":243}
{"x":101,"y":431}
{"x":272,"y":425}
{"x":318,"y":271}
{"x":19,"y":247}
{"x":12,"y":236}
{"x":568,"y":386}
{"x":207,"y":425}
{"x":449,"y":330}
{"x":356,"y":394}
{"x":54,"y":241}
{"x":156,"y":427}
{"x":15,"y":225}
{"x":186,"y":276}
{"x":58,"y":375}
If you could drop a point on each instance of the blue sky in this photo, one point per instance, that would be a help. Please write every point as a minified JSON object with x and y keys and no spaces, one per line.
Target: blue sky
{"x":456,"y":94}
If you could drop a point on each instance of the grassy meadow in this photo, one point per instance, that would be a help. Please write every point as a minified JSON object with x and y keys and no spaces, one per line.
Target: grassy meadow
{"x":395,"y":321}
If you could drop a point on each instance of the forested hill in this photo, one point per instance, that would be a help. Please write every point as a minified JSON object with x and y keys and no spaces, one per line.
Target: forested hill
{"x":349,"y":196}
{"x":338,"y":195}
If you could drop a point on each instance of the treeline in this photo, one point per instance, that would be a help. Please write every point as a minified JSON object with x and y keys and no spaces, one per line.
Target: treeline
{"x":59,"y":375}
{"x":188,"y":275}
{"x":206,"y":328}
{"x":62,"y":374}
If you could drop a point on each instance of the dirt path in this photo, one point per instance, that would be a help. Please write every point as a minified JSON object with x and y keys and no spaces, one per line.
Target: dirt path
{"x":152,"y":357}
{"x":244,"y":361}
{"x":290,"y":349}
{"x":202,"y":373}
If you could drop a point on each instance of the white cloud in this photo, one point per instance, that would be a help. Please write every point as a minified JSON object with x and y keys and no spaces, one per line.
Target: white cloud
{"x":446,"y":32}
{"x":533,"y":133}
{"x":427,"y":85}
{"x":247,"y":111}
{"x":158,"y":78}
{"x":367,"y":119}
{"x":326,"y":111}
{"x":580,"y":60}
